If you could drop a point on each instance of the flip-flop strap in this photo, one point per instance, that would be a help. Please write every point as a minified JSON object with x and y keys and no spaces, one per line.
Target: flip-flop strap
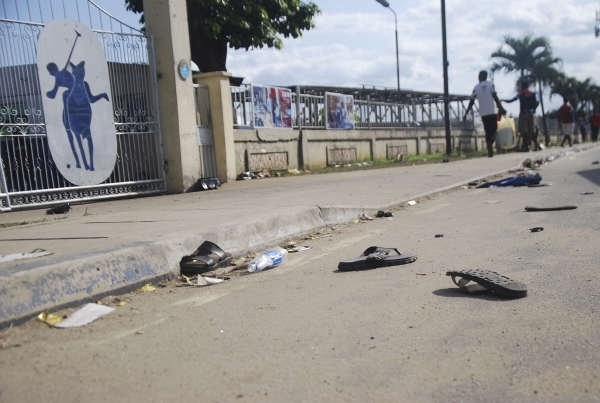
{"x":462,"y":283}
{"x":382,"y":253}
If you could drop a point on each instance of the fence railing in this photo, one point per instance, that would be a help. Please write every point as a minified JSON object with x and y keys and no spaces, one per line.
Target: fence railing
{"x":308,"y":111}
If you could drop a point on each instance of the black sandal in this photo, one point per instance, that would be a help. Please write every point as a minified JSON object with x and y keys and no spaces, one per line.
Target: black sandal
{"x":488,"y":280}
{"x":207,"y":257}
{"x":374,"y":257}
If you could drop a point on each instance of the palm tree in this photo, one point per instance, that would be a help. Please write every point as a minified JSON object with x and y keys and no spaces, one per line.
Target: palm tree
{"x":531,"y":57}
{"x":544,"y":74}
{"x":520,"y":55}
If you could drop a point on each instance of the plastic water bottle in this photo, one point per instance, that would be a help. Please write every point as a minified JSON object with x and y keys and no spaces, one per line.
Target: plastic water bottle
{"x":272,"y":257}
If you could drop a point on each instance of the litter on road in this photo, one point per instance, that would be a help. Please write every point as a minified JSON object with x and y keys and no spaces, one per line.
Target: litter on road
{"x":411,"y":203}
{"x":148,"y":287}
{"x":536,"y":229}
{"x":85,"y":315}
{"x":38,"y":252}
{"x":270,"y":258}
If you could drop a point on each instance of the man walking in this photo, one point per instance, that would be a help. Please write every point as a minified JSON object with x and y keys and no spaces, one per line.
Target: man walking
{"x":566,"y":121}
{"x":528,"y":104}
{"x":485,"y":93}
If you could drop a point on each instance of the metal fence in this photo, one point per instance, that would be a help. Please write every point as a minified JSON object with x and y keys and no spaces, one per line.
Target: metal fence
{"x":30,"y":176}
{"x":308,"y":111}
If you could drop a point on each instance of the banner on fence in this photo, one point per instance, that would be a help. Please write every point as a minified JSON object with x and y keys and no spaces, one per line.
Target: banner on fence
{"x":339,"y":111}
{"x":272,"y":107}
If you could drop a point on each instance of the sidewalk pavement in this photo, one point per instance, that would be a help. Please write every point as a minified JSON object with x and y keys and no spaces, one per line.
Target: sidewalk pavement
{"x":112,"y":246}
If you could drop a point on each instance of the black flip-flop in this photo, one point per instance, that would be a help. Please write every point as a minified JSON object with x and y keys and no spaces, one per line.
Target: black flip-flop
{"x":550,"y":208}
{"x":381,"y":213}
{"x":207,"y":257}
{"x":501,"y":285}
{"x":374,"y":257}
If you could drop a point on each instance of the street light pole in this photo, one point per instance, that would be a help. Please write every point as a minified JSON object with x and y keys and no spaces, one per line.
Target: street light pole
{"x":446,"y":95}
{"x":386,"y":4}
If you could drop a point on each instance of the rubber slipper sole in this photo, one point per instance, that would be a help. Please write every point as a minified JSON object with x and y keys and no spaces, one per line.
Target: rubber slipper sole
{"x":363,"y":263}
{"x":550,"y":208}
{"x":501,"y":285}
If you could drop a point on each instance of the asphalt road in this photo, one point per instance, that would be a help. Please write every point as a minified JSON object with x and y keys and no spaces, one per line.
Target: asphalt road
{"x":305,"y":332}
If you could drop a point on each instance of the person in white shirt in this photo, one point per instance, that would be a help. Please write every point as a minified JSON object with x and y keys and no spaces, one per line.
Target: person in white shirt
{"x":485,"y":93}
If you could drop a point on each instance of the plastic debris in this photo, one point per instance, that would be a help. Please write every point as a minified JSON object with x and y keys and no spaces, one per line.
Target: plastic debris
{"x":245,"y":176}
{"x":595,"y":162}
{"x":212,"y":280}
{"x":85,"y":315}
{"x":582,"y":193}
{"x":365,"y":217}
{"x":439,"y":235}
{"x":536,"y":229}
{"x":48,"y":318}
{"x":293,"y":171}
{"x":148,"y":287}
{"x":38,"y":252}
{"x":297,"y":248}
{"x":411,"y":203}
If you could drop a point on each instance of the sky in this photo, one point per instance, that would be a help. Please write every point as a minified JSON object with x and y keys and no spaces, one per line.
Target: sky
{"x":353,"y":44}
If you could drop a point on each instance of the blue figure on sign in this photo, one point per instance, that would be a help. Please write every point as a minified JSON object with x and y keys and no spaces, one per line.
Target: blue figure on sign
{"x":77,"y":108}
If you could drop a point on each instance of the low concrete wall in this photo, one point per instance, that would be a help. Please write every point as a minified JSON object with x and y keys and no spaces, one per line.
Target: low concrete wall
{"x":258,"y":149}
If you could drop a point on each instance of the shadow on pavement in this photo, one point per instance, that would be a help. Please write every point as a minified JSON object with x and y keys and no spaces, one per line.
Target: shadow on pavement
{"x":457,"y":293}
{"x":593,"y":175}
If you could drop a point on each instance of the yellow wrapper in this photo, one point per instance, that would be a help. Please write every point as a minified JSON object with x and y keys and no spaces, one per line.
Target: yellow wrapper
{"x":48,"y":318}
{"x":148,"y":287}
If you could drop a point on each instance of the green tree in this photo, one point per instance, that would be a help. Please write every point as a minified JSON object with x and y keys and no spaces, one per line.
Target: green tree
{"x":531,"y":57}
{"x":215,"y":25}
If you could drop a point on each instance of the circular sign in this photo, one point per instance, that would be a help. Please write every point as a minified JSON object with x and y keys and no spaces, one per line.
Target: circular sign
{"x":77,"y":101}
{"x":184,"y":69}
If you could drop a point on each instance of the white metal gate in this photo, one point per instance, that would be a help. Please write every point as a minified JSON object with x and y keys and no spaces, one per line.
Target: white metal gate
{"x":30,"y":176}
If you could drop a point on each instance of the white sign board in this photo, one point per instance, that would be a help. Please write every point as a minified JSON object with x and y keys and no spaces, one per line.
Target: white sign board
{"x":77,"y":102}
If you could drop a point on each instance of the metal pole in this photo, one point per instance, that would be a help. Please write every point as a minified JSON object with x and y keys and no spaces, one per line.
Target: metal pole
{"x":397,"y":54}
{"x":446,"y":95}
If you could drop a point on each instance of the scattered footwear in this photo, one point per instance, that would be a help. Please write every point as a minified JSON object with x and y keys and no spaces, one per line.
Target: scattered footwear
{"x":60,"y":209}
{"x":550,"y":208}
{"x":207,"y":257}
{"x":374,"y":257}
{"x":381,"y":213}
{"x":488,"y":280}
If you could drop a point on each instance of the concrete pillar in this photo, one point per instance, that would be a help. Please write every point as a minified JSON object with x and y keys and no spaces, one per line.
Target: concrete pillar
{"x":167,"y":21}
{"x":221,"y":112}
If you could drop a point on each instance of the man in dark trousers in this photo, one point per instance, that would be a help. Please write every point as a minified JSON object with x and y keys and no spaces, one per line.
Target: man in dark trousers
{"x":528,"y":103}
{"x":485,"y":93}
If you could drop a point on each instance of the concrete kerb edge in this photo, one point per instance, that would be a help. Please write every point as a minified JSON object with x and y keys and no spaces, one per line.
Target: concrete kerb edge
{"x":114,"y":271}
{"x":142,"y":263}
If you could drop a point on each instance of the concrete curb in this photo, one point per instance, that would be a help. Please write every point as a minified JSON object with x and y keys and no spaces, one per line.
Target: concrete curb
{"x":91,"y":276}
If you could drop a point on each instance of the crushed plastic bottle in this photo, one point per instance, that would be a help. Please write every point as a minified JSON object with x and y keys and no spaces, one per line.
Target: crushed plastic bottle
{"x":272,"y":257}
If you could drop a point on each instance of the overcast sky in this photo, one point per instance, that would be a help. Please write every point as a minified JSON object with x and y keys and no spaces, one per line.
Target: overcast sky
{"x":353,"y":43}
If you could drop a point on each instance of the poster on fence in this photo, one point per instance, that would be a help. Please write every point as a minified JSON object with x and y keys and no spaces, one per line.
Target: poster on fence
{"x":272,"y":107}
{"x":339,"y":111}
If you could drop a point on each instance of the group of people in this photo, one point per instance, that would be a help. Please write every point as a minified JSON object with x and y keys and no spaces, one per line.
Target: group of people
{"x":570,"y":126}
{"x":485,"y":93}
